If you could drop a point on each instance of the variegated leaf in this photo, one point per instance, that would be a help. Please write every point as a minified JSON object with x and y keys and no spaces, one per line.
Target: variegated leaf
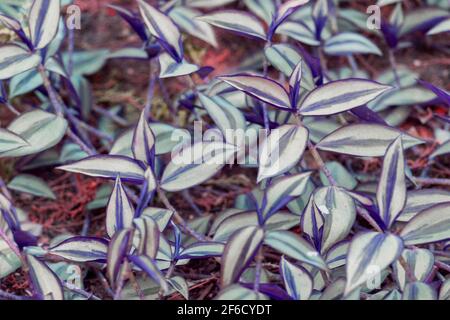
{"x":119,"y":211}
{"x":81,"y":249}
{"x":110,"y":167}
{"x":368,"y":255}
{"x":14,"y":60}
{"x":195,"y":164}
{"x":419,"y":200}
{"x":297,"y":280}
{"x":261,"y":88}
{"x":441,"y":27}
{"x":420,"y":262}
{"x":419,"y":291}
{"x":347,"y":43}
{"x":365,"y":140}
{"x":42,"y":130}
{"x":201,"y":250}
{"x":391,"y":192}
{"x":294,"y":246}
{"x":163,"y":28}
{"x":430,"y":225}
{"x":10,"y":141}
{"x":143,"y":145}
{"x":149,"y":266}
{"x":148,"y":236}
{"x":282,"y":191}
{"x":342,"y":95}
{"x":239,"y":252}
{"x":161,"y":216}
{"x":237,"y":21}
{"x":117,"y":253}
{"x":43,"y":21}
{"x":170,"y":68}
{"x":282,"y":150}
{"x":46,"y":283}
{"x":184,"y":17}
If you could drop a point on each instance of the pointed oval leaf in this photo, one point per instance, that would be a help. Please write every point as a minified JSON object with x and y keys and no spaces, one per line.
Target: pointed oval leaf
{"x":261,"y":88}
{"x":365,"y":140}
{"x":282,"y":191}
{"x":297,"y":280}
{"x":282,"y":150}
{"x":237,"y":21}
{"x":45,"y":282}
{"x":163,"y":28}
{"x":369,"y":254}
{"x":239,"y":252}
{"x":347,"y":43}
{"x":43,"y":21}
{"x":81,"y":249}
{"x":294,"y":246}
{"x":391,"y":192}
{"x":441,"y":27}
{"x":148,"y":235}
{"x":119,"y":211}
{"x":430,"y":225}
{"x":143,"y":145}
{"x":161,"y":216}
{"x":42,"y":130}
{"x":30,"y":184}
{"x":419,"y":200}
{"x":185,"y":18}
{"x":420,"y":262}
{"x":10,"y":141}
{"x":339,"y":96}
{"x":170,"y":68}
{"x":419,"y":291}
{"x":149,"y":266}
{"x":108,"y":167}
{"x":202,"y":250}
{"x":195,"y":164}
{"x":117,"y":252}
{"x":14,"y":60}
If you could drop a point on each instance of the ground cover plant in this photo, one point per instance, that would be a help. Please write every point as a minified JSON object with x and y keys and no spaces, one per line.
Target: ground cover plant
{"x":222,"y":149}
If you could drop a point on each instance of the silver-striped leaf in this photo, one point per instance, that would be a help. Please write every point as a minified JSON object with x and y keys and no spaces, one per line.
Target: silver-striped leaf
{"x":391,"y":191}
{"x":294,"y":246}
{"x":42,"y":130}
{"x":238,"y":253}
{"x":261,"y":88}
{"x":419,"y":291}
{"x":195,"y":164}
{"x":282,"y":150}
{"x":148,"y":235}
{"x":202,"y":250}
{"x":368,"y":255}
{"x":117,"y":253}
{"x":347,"y":43}
{"x":282,"y":191}
{"x":430,"y":225}
{"x":110,"y":167}
{"x":297,"y":280}
{"x":81,"y":249}
{"x":143,"y":145}
{"x":163,"y":28}
{"x":119,"y":211}
{"x":240,"y":22}
{"x":365,"y":140}
{"x":149,"y":266}
{"x":419,"y":200}
{"x":184,"y":17}
{"x":419,"y":261}
{"x":341,"y":95}
{"x":43,"y":21}
{"x":170,"y":68}
{"x":46,"y":283}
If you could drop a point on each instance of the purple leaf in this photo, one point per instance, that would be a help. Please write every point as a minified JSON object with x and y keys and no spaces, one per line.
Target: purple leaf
{"x":443,"y":96}
{"x":132,"y":19}
{"x":120,"y":211}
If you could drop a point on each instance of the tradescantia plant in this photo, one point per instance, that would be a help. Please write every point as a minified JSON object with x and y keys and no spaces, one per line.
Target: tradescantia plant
{"x":307,"y":229}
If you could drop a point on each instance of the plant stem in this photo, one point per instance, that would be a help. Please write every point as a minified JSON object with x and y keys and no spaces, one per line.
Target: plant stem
{"x":11,"y":108}
{"x":51,"y":92}
{"x":393,"y":63}
{"x":258,"y":269}
{"x":9,"y":296}
{"x":427,"y":181}
{"x":178,"y":218}
{"x":409,"y":274}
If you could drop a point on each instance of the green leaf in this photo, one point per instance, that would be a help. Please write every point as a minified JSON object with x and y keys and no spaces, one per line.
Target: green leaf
{"x":28,"y":183}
